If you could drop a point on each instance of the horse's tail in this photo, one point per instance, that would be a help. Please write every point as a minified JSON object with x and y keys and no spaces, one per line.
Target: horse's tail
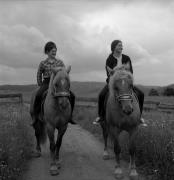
{"x":40,"y":131}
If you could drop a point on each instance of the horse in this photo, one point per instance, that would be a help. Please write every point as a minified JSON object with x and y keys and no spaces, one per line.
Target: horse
{"x":122,"y":113}
{"x":56,"y":115}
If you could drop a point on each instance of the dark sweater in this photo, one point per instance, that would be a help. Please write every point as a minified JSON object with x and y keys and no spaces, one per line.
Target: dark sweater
{"x":111,"y":62}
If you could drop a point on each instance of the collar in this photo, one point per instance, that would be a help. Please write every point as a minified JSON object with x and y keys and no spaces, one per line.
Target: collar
{"x":50,"y":60}
{"x":117,"y":57}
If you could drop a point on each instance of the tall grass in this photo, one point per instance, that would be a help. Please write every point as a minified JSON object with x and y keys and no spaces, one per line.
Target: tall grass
{"x":155,"y":143}
{"x":15,"y":140}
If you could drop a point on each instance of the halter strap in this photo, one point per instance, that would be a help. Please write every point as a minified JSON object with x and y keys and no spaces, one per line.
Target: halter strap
{"x":124,"y":97}
{"x":62,"y":94}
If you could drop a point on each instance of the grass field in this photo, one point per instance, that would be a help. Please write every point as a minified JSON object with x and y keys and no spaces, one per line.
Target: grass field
{"x":155,"y":144}
{"x":16,"y":140}
{"x":84,"y":89}
{"x":162,"y":99}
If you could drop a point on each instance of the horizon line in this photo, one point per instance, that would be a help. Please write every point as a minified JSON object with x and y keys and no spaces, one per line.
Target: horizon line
{"x":84,"y":82}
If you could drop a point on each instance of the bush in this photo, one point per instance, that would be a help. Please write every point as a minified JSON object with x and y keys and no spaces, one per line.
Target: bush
{"x":168,"y":91}
{"x":153,"y":92}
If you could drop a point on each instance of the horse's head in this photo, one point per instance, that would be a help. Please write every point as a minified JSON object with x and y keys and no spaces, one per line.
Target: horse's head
{"x":60,"y":85}
{"x":121,"y":87}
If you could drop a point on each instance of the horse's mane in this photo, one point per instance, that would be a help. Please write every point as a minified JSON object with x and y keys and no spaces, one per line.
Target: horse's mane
{"x":56,"y":69}
{"x":120,"y":73}
{"x":54,"y":72}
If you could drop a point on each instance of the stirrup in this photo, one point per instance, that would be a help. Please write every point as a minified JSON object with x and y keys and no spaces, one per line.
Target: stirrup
{"x":97,"y":121}
{"x":143,"y":122}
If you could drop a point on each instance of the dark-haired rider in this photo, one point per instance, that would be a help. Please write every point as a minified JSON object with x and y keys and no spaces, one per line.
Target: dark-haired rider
{"x":117,"y":59}
{"x":44,"y":74}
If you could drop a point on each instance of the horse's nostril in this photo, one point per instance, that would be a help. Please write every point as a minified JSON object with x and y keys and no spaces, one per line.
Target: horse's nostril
{"x":63,"y":104}
{"x":128,"y":110}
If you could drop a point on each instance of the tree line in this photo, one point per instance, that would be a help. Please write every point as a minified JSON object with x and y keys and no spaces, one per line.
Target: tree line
{"x":168,"y":91}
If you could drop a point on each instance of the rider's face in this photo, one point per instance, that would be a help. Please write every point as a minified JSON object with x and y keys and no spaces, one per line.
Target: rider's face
{"x":119,"y":48}
{"x":52,"y":53}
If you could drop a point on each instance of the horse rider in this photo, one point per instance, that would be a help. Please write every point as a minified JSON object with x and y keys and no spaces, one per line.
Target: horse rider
{"x":117,"y":59}
{"x":44,"y":74}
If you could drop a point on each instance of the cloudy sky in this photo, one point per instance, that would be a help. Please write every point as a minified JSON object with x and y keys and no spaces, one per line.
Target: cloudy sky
{"x":83,"y":31}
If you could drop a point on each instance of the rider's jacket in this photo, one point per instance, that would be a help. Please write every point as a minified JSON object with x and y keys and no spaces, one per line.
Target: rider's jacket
{"x":111,"y":62}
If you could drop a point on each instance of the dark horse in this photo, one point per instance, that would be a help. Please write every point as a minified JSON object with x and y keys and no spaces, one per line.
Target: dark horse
{"x":122,"y":113}
{"x":57,"y":112}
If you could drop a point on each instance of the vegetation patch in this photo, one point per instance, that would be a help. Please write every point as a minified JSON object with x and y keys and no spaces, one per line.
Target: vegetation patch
{"x":155,"y":143}
{"x":16,"y":140}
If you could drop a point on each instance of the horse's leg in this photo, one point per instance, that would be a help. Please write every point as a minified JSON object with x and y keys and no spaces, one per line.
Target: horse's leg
{"x":53,"y":167}
{"x":117,"y":149}
{"x":38,"y":148}
{"x":105,"y":136}
{"x":61,"y":132}
{"x":132,"y":152}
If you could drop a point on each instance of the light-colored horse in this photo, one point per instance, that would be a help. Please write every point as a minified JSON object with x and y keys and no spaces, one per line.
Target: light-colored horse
{"x":122,"y":113}
{"x":57,"y":112}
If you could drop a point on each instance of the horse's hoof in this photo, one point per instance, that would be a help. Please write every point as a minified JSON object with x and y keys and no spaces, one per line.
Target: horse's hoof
{"x":54,"y":170}
{"x":58,"y":164}
{"x":118,"y":173}
{"x":105,"y":155}
{"x":36,"y":154}
{"x":133,"y":174}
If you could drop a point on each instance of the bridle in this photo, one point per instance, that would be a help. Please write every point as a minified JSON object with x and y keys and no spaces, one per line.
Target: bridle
{"x":65,"y":93}
{"x":125,"y":97}
{"x":62,"y":94}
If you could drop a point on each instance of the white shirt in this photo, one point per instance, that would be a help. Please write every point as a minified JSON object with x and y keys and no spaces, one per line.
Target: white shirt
{"x":119,"y":61}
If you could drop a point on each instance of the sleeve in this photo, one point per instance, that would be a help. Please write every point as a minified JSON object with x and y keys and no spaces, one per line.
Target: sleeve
{"x":108,"y":63}
{"x":39,"y":74}
{"x":130,"y":64}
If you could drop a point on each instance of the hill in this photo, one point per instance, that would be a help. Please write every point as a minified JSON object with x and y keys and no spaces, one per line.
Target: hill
{"x":85,"y":89}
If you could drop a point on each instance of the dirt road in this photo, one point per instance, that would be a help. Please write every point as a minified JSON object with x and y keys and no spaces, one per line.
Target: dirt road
{"x":81,"y":156}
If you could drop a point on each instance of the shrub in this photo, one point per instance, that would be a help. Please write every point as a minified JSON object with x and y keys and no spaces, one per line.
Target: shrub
{"x":168,"y":91}
{"x":153,"y":92}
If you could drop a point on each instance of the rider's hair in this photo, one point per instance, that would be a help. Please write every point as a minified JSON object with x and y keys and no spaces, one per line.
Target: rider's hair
{"x":49,"y":46}
{"x":114,"y":44}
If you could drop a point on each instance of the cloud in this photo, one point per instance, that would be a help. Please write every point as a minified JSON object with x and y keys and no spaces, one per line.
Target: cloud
{"x":20,"y":45}
{"x":11,"y":75}
{"x":83,"y":32}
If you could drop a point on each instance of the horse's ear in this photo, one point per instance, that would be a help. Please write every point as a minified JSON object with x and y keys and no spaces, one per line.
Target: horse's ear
{"x":110,"y":71}
{"x":68,"y":69}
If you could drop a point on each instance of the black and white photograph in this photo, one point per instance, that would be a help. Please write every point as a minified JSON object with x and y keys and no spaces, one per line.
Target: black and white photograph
{"x":86,"y":89}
